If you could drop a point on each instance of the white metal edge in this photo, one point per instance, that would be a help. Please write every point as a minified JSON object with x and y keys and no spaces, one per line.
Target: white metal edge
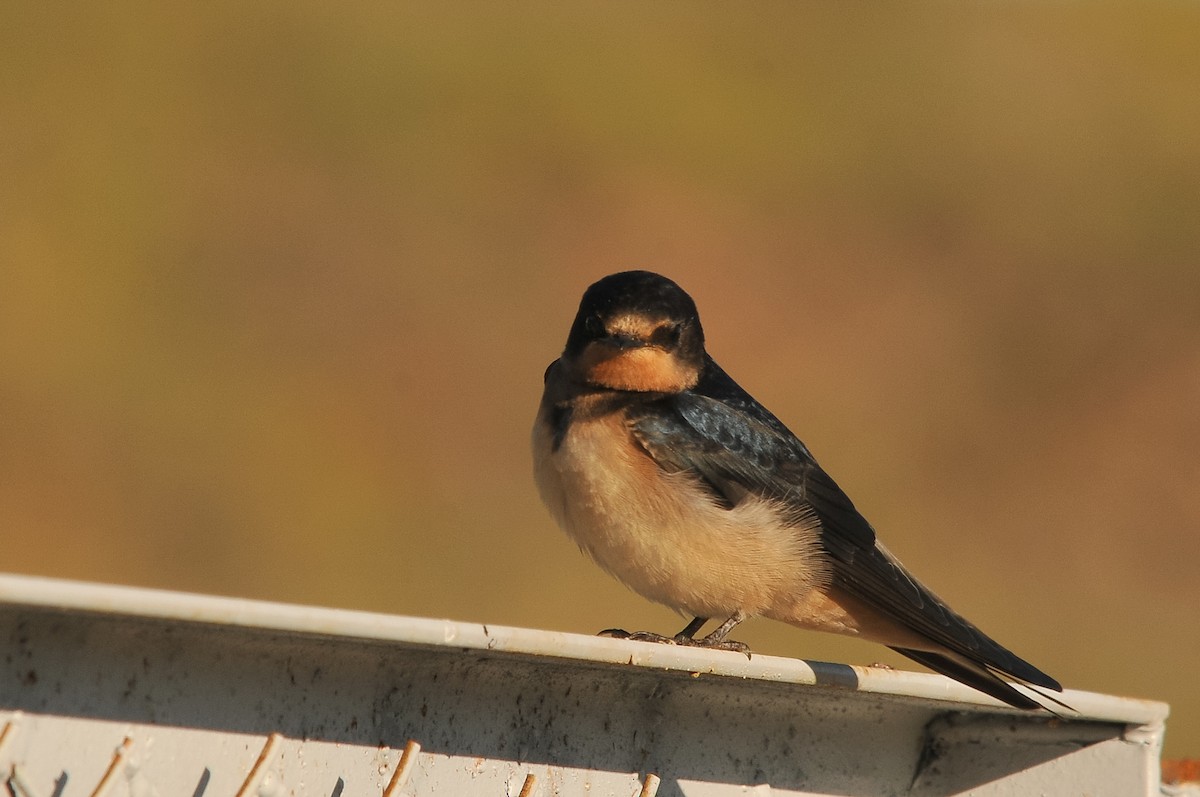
{"x":67,"y":595}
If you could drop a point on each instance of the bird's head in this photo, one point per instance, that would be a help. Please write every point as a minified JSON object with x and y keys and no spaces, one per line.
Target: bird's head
{"x":636,"y":331}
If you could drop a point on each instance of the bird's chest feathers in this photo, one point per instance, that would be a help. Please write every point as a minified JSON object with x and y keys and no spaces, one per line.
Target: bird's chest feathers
{"x":605,"y":492}
{"x":660,"y":533}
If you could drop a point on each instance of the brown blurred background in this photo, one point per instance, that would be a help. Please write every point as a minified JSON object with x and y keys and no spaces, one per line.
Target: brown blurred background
{"x":278,"y":282}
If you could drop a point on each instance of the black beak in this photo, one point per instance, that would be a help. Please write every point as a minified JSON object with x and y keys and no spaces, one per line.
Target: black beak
{"x":620,"y":341}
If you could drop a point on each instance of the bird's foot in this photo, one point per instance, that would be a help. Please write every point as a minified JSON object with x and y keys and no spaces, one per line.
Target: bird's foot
{"x":731,"y":645}
{"x":679,"y":639}
{"x":650,"y":636}
{"x":717,"y":639}
{"x":640,"y":636}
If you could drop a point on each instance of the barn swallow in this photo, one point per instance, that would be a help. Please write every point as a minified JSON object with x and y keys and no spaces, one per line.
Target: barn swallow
{"x":678,"y":483}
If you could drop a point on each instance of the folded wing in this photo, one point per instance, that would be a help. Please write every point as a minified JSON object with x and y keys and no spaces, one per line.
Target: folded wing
{"x":737,"y":448}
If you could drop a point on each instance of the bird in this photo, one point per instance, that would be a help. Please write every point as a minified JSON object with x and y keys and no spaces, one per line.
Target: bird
{"x":678,"y":483}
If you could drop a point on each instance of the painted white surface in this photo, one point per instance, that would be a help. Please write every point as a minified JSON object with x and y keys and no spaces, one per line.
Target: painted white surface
{"x":197,"y":683}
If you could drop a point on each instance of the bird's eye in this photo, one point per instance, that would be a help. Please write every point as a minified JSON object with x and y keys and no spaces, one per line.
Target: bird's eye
{"x":666,"y":335}
{"x":594,"y":326}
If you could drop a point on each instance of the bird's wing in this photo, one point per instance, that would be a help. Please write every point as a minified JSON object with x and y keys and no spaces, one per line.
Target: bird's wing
{"x":736,"y":447}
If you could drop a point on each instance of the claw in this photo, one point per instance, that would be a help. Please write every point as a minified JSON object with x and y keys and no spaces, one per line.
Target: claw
{"x":614,"y":633}
{"x":649,"y":636}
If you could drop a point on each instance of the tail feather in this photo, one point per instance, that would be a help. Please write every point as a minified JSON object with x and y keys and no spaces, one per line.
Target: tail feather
{"x":976,"y":676}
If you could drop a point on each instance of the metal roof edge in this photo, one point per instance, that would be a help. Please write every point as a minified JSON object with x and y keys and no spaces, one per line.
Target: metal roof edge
{"x":166,"y":605}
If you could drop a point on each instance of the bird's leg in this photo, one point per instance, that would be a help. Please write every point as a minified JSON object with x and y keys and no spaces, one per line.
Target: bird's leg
{"x":717,"y":638}
{"x":723,"y":631}
{"x":688,"y":634}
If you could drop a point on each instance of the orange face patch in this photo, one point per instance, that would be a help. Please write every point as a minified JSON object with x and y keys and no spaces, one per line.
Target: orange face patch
{"x":646,"y":370}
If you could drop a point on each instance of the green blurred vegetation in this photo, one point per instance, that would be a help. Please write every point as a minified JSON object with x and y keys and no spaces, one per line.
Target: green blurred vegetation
{"x":278,"y":282}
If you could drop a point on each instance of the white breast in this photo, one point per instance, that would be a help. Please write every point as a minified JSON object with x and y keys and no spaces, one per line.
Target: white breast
{"x":661,"y":534}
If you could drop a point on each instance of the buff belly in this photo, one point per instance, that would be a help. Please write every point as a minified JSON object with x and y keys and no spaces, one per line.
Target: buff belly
{"x":663,"y":535}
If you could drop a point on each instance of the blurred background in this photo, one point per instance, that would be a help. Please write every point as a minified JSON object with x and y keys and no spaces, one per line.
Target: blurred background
{"x":278,"y":282}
